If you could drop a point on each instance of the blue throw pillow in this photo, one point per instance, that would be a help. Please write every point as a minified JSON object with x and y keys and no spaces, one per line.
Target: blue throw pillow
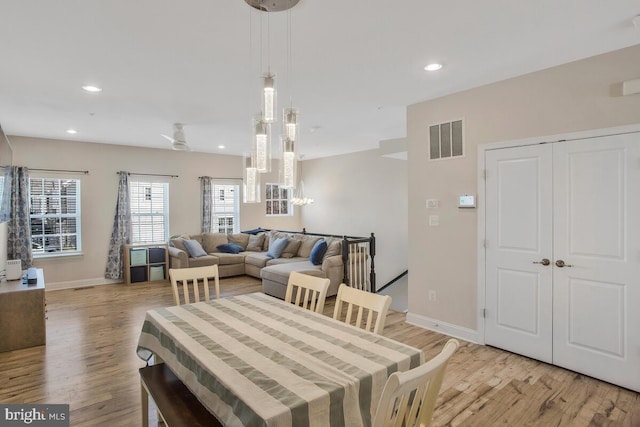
{"x":253,"y":231}
{"x":230,"y":248}
{"x":277,"y":247}
{"x":318,"y":251}
{"x":194,"y":248}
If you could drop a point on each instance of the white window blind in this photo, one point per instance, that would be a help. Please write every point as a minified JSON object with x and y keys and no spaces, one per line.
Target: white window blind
{"x":278,"y":200}
{"x":55,"y":216}
{"x":149,"y":211}
{"x":225,"y":210}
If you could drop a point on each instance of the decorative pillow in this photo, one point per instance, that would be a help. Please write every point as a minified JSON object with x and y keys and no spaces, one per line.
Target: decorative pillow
{"x":277,"y":247}
{"x":291,"y":249}
{"x":317,"y":253}
{"x":253,"y":231}
{"x":255,"y":242}
{"x":230,"y":248}
{"x":179,"y":243}
{"x":194,"y":248}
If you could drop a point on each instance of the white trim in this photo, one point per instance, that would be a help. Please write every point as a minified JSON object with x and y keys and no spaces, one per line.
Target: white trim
{"x":443,"y":327}
{"x":83,"y":283}
{"x":481,"y":285}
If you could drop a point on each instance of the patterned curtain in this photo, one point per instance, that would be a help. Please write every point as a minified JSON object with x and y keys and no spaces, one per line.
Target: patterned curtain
{"x":19,"y":226}
{"x":121,"y":233}
{"x":205,"y":191}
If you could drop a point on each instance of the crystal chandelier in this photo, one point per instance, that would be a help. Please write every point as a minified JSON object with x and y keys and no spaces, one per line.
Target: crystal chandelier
{"x":260,"y":159}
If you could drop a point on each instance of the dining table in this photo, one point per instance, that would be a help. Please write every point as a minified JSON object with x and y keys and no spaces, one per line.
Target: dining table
{"x":255,"y":360}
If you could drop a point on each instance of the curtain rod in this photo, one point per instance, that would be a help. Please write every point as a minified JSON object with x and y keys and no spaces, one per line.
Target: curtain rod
{"x":218,"y":177}
{"x":149,"y":174}
{"x":60,"y":170}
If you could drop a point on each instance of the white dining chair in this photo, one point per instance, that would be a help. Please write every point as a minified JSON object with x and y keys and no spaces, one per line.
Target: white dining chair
{"x":409,"y":398}
{"x":189,"y":279}
{"x":310,"y":291}
{"x":362,"y":300}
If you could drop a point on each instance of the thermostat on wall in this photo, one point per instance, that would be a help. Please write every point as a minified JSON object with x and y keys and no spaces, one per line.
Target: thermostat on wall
{"x":467,"y":201}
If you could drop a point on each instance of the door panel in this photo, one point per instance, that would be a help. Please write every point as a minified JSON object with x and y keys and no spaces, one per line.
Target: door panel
{"x":518,"y":291}
{"x":596,"y":327}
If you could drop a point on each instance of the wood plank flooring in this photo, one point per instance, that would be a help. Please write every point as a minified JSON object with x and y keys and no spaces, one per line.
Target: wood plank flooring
{"x":90,"y":363}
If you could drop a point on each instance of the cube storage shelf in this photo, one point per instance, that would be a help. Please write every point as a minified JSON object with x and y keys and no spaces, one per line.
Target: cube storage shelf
{"x":146,"y":263}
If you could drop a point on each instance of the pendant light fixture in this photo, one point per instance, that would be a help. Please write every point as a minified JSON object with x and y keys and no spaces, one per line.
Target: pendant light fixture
{"x":262,"y":145}
{"x":288,"y":164}
{"x":262,"y":124}
{"x":250,"y":179}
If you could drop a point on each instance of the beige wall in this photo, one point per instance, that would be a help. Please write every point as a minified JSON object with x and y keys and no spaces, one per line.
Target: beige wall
{"x":99,"y":189}
{"x":577,"y":96}
{"x":359,"y":194}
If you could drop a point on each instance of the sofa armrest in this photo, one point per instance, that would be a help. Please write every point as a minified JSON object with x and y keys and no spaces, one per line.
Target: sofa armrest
{"x":332,"y":261}
{"x":178,"y":258}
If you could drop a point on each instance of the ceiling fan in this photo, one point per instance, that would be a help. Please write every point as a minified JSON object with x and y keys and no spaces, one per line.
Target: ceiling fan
{"x":178,"y":141}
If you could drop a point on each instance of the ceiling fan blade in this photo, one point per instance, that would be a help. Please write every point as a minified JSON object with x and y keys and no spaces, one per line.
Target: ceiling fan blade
{"x":168,"y":137}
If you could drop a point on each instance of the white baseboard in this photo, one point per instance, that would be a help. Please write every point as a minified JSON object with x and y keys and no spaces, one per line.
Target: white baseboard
{"x":84,"y":283}
{"x":444,"y":328}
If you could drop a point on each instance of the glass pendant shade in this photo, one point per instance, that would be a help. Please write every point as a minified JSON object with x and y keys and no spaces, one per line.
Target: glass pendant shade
{"x":262,"y":145}
{"x":288,"y":164}
{"x":250,"y":180}
{"x":290,"y":124}
{"x":268,"y":98}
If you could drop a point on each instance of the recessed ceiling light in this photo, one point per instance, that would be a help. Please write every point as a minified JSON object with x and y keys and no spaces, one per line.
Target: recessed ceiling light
{"x":91,"y":88}
{"x":72,"y":131}
{"x":222,"y":147}
{"x":433,"y":67}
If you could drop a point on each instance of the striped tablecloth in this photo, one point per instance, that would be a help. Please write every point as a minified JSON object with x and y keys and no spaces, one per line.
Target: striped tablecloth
{"x":254,"y":360}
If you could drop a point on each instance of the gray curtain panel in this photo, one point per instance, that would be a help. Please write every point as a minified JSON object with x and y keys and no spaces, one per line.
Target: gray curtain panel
{"x":121,"y":233}
{"x":19,"y":226}
{"x":205,"y":191}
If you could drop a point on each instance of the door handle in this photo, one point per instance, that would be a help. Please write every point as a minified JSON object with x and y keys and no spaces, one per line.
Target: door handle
{"x":560,"y":263}
{"x":543,"y":261}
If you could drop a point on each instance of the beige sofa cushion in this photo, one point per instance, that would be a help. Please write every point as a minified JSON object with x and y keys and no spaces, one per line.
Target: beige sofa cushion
{"x":257,"y":259}
{"x":203,"y":261}
{"x":241,"y":239}
{"x":256,"y":242}
{"x":307,"y":245}
{"x":291,"y":249}
{"x":334,"y":247}
{"x":178,"y":242}
{"x":226,"y":259}
{"x":210,"y":241}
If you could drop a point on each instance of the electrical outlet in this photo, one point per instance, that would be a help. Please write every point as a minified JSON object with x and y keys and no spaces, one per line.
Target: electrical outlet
{"x":432,"y":295}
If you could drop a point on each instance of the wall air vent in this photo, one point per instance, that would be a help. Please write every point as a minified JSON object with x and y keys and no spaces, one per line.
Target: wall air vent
{"x":445,"y":140}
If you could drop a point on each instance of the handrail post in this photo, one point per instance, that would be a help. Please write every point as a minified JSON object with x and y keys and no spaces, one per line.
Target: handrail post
{"x":372,"y":253}
{"x":345,"y":259}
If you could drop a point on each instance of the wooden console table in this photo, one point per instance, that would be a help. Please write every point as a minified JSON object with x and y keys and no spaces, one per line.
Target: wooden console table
{"x":22,"y":314}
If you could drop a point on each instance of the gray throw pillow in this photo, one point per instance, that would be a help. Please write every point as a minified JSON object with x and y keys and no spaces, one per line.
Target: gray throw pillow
{"x":194,"y":248}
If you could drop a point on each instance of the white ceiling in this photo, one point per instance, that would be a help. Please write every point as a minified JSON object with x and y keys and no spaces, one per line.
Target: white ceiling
{"x":356,"y":64}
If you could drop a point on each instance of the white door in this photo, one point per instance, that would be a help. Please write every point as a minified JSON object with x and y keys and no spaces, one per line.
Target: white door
{"x":577,"y":204}
{"x":597,"y":235}
{"x":518,"y":300}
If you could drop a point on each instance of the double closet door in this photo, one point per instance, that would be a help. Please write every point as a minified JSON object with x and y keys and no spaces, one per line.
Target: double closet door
{"x":563,"y":254}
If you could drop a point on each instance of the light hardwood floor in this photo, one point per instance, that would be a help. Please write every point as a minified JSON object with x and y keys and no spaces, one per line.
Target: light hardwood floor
{"x":90,"y":363}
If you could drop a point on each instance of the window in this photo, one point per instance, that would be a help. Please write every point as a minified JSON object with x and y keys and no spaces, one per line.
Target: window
{"x":277,"y":199}
{"x":55,"y":216}
{"x":149,"y":211}
{"x":225,"y":208}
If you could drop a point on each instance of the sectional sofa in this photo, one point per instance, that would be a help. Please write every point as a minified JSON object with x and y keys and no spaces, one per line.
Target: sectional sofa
{"x":267,"y":255}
